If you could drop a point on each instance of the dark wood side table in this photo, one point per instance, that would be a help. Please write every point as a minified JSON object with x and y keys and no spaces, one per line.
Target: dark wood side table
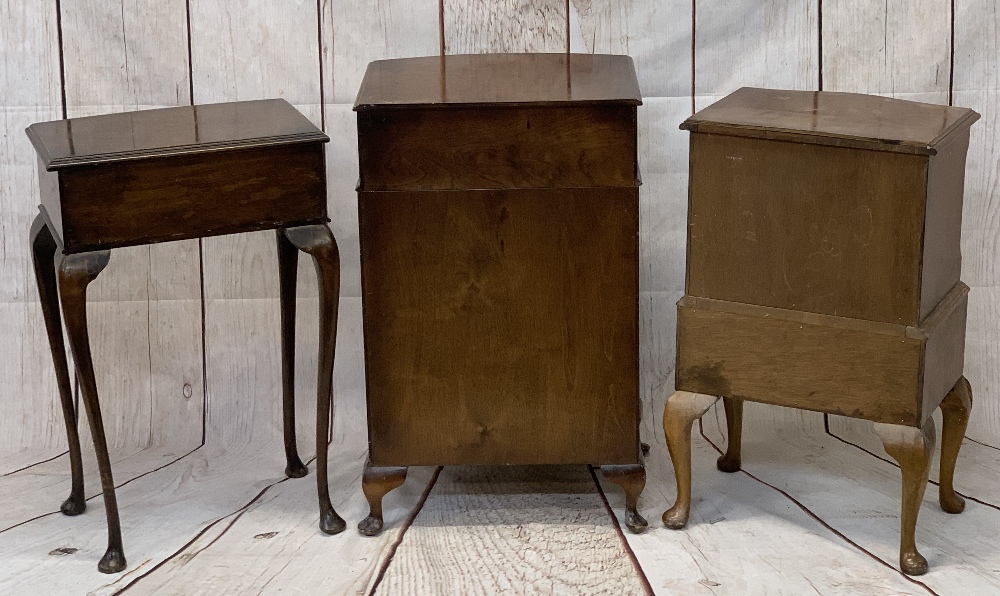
{"x":173,"y":174}
{"x":498,"y":207}
{"x":823,"y":273}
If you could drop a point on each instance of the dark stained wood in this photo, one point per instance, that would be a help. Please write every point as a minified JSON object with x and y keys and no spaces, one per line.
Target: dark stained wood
{"x":781,"y":358}
{"x":955,"y":409}
{"x":831,"y":118}
{"x":495,"y":80}
{"x":288,"y":258}
{"x":170,"y":131}
{"x":43,"y":251}
{"x":376,"y":482}
{"x":459,"y":148}
{"x":191,"y":196}
{"x":632,"y":479}
{"x":319,"y":243}
{"x":508,"y":318}
{"x":75,"y":272}
{"x":806,"y":227}
{"x":143,"y":177}
{"x":498,"y":212}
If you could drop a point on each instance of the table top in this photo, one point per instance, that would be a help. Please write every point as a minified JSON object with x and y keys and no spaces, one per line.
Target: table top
{"x":507,"y":79}
{"x":170,"y":131}
{"x":846,"y":119}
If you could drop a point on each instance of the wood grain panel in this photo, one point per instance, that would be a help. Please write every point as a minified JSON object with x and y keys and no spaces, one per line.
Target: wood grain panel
{"x":785,"y":358}
{"x":458,"y":327}
{"x":941,"y":263}
{"x":219,"y":193}
{"x":657,"y":35}
{"x":513,"y":148}
{"x":760,"y":236}
{"x":504,"y":26}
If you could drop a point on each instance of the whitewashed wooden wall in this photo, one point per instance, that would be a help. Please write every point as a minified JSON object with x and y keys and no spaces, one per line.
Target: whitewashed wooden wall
{"x":185,"y":334}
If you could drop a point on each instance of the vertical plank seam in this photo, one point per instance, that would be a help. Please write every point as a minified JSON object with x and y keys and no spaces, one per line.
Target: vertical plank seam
{"x":62,"y":61}
{"x":187,"y":11}
{"x":62,"y":99}
{"x":204,"y":345}
{"x":895,"y":465}
{"x":646,"y":586}
{"x":819,"y":40}
{"x":567,"y":28}
{"x":694,"y":32}
{"x":951,"y":58}
{"x":821,"y":521}
{"x":402,"y":531}
{"x":201,"y":256}
{"x":441,"y":27}
{"x":319,"y":43}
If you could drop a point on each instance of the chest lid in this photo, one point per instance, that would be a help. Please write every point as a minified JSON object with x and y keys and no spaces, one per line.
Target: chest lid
{"x":524,"y":80}
{"x":832,"y":118}
{"x":170,"y":131}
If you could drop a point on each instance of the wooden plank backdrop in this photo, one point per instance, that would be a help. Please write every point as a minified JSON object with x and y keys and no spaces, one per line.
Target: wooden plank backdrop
{"x":186,"y":344}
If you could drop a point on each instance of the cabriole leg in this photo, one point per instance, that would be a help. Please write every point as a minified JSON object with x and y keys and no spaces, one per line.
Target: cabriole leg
{"x":682,"y":409}
{"x":911,"y":448}
{"x":632,"y":479}
{"x":75,"y":274}
{"x":288,"y":258}
{"x":318,"y":242}
{"x":376,"y":483}
{"x":955,"y":414}
{"x":43,"y":251}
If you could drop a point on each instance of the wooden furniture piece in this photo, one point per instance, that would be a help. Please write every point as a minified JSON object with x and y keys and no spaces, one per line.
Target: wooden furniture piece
{"x":498,"y":212}
{"x":823,"y":273}
{"x":172,"y":174}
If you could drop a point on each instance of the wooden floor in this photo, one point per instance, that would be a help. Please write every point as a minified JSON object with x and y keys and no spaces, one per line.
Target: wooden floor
{"x":812,"y":512}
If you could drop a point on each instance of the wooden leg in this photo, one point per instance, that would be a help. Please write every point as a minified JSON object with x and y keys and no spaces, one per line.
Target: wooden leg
{"x":955,"y":412}
{"x":911,"y":448}
{"x":682,"y":409}
{"x":376,"y":483}
{"x":75,"y":274}
{"x":43,"y":251}
{"x":731,"y":461}
{"x":288,"y":259}
{"x":318,"y":241}
{"x":632,"y":479}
